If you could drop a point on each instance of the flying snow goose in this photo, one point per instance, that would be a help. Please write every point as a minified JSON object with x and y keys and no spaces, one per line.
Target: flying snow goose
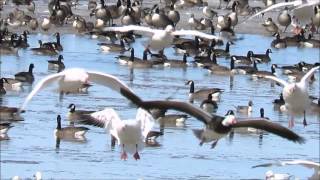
{"x":308,"y":164}
{"x":71,"y":80}
{"x":160,"y":39}
{"x":216,"y":126}
{"x":130,"y":134}
{"x":296,"y":95}
{"x":302,"y":9}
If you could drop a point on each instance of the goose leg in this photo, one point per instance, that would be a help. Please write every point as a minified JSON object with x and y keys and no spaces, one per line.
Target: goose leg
{"x":136,"y":154}
{"x":124,"y":155}
{"x":285,"y":29}
{"x":213,"y":145}
{"x":304,"y":119}
{"x":219,"y":4}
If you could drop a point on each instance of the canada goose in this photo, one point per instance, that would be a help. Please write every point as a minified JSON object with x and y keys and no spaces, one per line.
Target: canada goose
{"x":187,"y":46}
{"x":177,"y":63}
{"x":268,"y":3}
{"x":206,"y":60}
{"x":79,"y":24}
{"x":245,"y":109}
{"x":316,"y":18}
{"x":111,"y":47}
{"x":56,"y":64}
{"x":4,"y":127}
{"x":296,"y":75}
{"x":71,"y":80}
{"x":168,"y":119}
{"x":296,"y":95}
{"x":57,"y":45}
{"x":206,"y":23}
{"x":160,"y":39}
{"x":209,"y":105}
{"x":69,"y":132}
{"x":312,"y":43}
{"x":160,"y":20}
{"x":308,"y":164}
{"x":130,"y":134}
{"x":116,"y":10}
{"x":233,"y":15}
{"x":10,"y":114}
{"x":202,"y":94}
{"x":284,"y":19}
{"x":243,"y":59}
{"x":194,"y":23}
{"x":46,"y":24}
{"x":223,"y":52}
{"x":218,"y":69}
{"x":260,"y":74}
{"x":2,"y":82}
{"x":216,"y":126}
{"x":25,"y":76}
{"x":279,"y":101}
{"x":270,"y":26}
{"x":128,"y":17}
{"x":278,"y":42}
{"x":173,"y":15}
{"x":11,"y":84}
{"x":48,"y":49}
{"x":74,"y":114}
{"x":102,"y":12}
{"x":135,"y":62}
{"x":242,"y":69}
{"x":262,"y":57}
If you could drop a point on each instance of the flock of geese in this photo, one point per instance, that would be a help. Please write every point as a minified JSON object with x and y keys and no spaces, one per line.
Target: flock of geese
{"x":160,"y":25}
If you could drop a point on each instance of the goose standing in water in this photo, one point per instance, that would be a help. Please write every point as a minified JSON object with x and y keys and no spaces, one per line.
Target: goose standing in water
{"x":160,"y":39}
{"x":130,"y":134}
{"x":26,"y":76}
{"x":264,"y":58}
{"x":216,"y":126}
{"x":296,"y":95}
{"x":71,"y":80}
{"x":69,"y":132}
{"x":202,"y":94}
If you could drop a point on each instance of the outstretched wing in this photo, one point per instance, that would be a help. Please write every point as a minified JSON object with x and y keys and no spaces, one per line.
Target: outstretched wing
{"x":138,"y":29}
{"x":277,"y":129}
{"x":284,"y":83}
{"x":278,"y":5}
{"x":308,"y":75}
{"x":107,"y":118}
{"x":107,"y":80}
{"x":40,"y":85}
{"x":146,"y":121}
{"x":194,"y":33}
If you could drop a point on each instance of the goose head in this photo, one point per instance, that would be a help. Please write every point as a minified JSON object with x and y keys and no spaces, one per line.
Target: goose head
{"x":229,"y":119}
{"x":72,"y":107}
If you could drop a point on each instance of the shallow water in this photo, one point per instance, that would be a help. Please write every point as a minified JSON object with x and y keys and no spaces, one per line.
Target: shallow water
{"x":32,"y":146}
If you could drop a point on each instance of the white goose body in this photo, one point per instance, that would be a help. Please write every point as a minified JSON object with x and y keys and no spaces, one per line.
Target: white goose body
{"x":296,"y":95}
{"x":130,"y":134}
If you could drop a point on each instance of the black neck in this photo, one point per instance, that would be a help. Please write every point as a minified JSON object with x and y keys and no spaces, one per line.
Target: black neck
{"x":30,"y":69}
{"x":58,"y":123}
{"x":145,"y":55}
{"x":232,"y":64}
{"x":262,"y":113}
{"x":132,"y":55}
{"x":58,"y":38}
{"x":191,"y":87}
{"x":184,"y":59}
{"x":273,"y":69}
{"x":214,"y":58}
{"x":227,"y":47}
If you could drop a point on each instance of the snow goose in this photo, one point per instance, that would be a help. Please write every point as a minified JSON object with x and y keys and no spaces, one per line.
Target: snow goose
{"x":71,"y":80}
{"x":296,"y":94}
{"x":160,"y":39}
{"x":302,"y":9}
{"x":130,"y":134}
{"x":308,"y":164}
{"x":216,"y":126}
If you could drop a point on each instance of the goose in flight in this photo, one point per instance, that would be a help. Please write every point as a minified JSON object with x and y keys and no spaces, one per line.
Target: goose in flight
{"x":130,"y":134}
{"x":302,"y":9}
{"x":160,"y":39}
{"x":296,"y":95}
{"x":71,"y":80}
{"x":308,"y":164}
{"x":216,"y":126}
